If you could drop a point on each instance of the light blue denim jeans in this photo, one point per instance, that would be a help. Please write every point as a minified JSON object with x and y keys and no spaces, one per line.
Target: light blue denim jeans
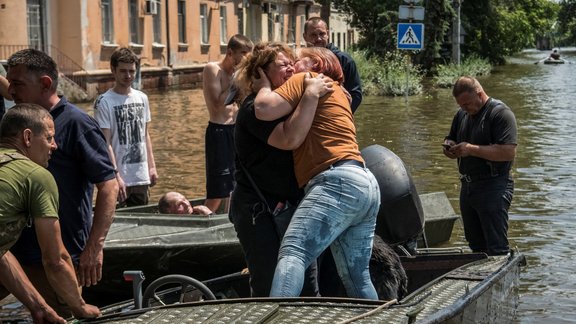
{"x":339,"y":211}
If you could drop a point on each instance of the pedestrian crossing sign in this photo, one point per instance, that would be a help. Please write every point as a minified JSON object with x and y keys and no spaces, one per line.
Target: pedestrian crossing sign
{"x":410,"y":36}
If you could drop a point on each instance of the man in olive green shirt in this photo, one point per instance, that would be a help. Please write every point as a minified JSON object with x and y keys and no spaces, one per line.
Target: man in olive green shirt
{"x":28,"y":193}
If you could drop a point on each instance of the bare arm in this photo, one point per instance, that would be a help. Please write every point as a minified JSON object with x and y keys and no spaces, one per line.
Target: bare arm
{"x":151,"y":162}
{"x":494,"y":152}
{"x":121,"y":184}
{"x":290,"y":134}
{"x":268,"y":105}
{"x":59,"y":269}
{"x":214,"y":94}
{"x":13,"y":278}
{"x":91,"y":259}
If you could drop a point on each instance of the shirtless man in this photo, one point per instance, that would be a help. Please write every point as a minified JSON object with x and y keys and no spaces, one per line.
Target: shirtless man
{"x":219,"y":138}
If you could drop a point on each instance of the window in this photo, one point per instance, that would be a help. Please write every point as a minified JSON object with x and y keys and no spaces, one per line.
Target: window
{"x":302,"y":23}
{"x":135,"y":34}
{"x":107,"y":22}
{"x":280,"y":20}
{"x":223,"y":29}
{"x":204,"y":23}
{"x":182,"y":21}
{"x":157,"y":24}
{"x":35,"y":29}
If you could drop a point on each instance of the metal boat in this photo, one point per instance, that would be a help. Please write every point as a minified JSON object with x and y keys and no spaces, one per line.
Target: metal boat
{"x":205,"y":247}
{"x":445,"y":287}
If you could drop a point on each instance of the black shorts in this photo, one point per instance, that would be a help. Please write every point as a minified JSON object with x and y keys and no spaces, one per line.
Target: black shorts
{"x":220,"y":167}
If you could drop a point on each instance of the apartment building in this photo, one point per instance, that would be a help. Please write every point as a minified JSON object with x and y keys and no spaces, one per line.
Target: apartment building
{"x":174,"y":38}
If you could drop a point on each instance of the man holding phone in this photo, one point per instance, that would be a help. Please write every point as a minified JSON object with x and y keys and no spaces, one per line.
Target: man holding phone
{"x":483,"y":137}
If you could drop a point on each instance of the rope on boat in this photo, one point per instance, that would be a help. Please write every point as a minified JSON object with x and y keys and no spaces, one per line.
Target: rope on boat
{"x":375,"y":310}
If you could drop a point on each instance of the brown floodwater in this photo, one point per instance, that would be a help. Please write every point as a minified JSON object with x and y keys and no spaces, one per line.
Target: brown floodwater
{"x":543,"y":212}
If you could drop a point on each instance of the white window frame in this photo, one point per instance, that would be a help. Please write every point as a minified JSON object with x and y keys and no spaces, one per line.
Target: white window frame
{"x":223,"y":26}
{"x":204,"y":39}
{"x":134,"y":22}
{"x":107,"y":21}
{"x":182,"y":37}
{"x":157,"y":24}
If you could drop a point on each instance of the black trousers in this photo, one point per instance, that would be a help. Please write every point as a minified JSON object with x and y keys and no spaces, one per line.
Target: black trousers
{"x":484,"y":207}
{"x":260,"y":242}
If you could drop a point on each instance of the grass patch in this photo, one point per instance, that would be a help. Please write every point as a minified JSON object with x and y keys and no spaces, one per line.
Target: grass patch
{"x":388,"y":76}
{"x":472,"y":66}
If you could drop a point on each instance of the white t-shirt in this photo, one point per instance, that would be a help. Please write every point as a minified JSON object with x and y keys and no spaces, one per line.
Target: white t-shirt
{"x":126,"y":117}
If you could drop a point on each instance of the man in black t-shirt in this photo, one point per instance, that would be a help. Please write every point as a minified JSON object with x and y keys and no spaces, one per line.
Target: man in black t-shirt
{"x":483,"y":138}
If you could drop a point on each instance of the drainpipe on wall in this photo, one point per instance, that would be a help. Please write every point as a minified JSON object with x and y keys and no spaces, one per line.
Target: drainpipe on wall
{"x":168,"y":51}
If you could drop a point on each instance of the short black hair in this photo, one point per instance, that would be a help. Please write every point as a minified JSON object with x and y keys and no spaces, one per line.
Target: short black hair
{"x":37,"y":62}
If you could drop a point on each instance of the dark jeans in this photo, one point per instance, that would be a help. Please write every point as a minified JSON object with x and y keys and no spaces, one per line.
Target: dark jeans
{"x":261,"y":243}
{"x":484,"y":207}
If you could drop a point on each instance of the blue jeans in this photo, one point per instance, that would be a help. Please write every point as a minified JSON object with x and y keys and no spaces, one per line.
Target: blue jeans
{"x":260,"y":243}
{"x":339,"y":211}
{"x":484,"y":207}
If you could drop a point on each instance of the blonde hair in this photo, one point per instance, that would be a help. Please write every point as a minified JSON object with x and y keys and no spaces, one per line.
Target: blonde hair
{"x":261,"y":56}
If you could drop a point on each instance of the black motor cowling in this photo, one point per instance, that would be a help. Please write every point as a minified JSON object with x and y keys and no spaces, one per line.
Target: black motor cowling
{"x":400,"y":217}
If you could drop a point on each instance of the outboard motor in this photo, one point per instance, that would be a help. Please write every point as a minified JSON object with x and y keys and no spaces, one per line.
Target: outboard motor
{"x":400,"y":217}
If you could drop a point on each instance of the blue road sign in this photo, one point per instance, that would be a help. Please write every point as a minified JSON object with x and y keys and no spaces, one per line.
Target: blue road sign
{"x":410,"y":36}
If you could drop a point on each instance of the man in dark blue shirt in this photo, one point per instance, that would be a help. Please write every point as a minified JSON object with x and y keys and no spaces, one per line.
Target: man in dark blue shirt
{"x":80,"y":163}
{"x":316,"y":34}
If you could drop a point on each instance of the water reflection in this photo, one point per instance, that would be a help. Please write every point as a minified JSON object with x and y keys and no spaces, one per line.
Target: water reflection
{"x":542,"y":213}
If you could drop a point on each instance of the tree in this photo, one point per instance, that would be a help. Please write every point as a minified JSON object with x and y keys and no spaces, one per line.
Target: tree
{"x":495,"y":28}
{"x":567,"y":22}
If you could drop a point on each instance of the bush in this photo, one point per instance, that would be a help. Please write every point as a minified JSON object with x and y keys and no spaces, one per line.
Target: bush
{"x":472,"y":66}
{"x":387,"y":76}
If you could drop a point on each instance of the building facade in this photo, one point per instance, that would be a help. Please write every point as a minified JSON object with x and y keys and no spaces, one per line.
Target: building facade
{"x":174,"y":38}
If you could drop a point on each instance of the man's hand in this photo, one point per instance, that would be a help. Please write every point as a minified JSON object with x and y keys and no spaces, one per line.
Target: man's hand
{"x":46,"y":315}
{"x":201,"y":210}
{"x":261,"y":82}
{"x":448,"y":151}
{"x":87,"y":311}
{"x":153,"y":177}
{"x":121,"y":188}
{"x":90,"y":267}
{"x":461,"y":149}
{"x":319,"y":85}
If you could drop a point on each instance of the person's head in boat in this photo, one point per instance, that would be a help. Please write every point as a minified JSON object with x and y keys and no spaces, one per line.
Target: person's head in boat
{"x":175,"y":203}
{"x":555,"y":54}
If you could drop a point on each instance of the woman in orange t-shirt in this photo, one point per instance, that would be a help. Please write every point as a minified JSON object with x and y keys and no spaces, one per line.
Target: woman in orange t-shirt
{"x":342,"y":196}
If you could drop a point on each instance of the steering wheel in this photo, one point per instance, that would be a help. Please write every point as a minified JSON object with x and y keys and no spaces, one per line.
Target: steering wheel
{"x":183,"y":281}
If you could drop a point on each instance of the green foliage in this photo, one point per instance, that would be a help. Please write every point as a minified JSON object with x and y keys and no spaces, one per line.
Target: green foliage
{"x":495,"y":28}
{"x":471,"y":66}
{"x":567,"y":22}
{"x":437,"y":23}
{"x":388,"y":76}
{"x":499,"y":28}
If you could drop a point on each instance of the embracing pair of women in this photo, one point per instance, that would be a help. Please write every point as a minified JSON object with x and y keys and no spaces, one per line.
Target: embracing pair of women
{"x":295,"y":137}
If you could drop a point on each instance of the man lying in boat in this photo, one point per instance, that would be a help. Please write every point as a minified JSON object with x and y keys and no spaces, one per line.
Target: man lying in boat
{"x":175,"y":203}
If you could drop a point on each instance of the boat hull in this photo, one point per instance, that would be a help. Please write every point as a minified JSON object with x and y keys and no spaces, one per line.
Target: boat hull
{"x":483,"y":290}
{"x":552,"y":61}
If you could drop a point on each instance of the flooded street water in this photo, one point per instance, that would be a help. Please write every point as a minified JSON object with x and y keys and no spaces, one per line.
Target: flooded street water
{"x":542,"y":217}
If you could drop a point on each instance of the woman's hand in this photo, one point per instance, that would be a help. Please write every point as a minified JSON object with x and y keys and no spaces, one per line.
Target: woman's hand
{"x":260,"y":83}
{"x":319,"y":85}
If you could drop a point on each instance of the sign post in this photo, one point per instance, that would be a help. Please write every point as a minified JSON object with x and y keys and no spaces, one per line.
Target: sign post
{"x":410,"y":35}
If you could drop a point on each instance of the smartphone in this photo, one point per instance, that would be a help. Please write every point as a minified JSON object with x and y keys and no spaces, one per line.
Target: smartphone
{"x":446,"y":146}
